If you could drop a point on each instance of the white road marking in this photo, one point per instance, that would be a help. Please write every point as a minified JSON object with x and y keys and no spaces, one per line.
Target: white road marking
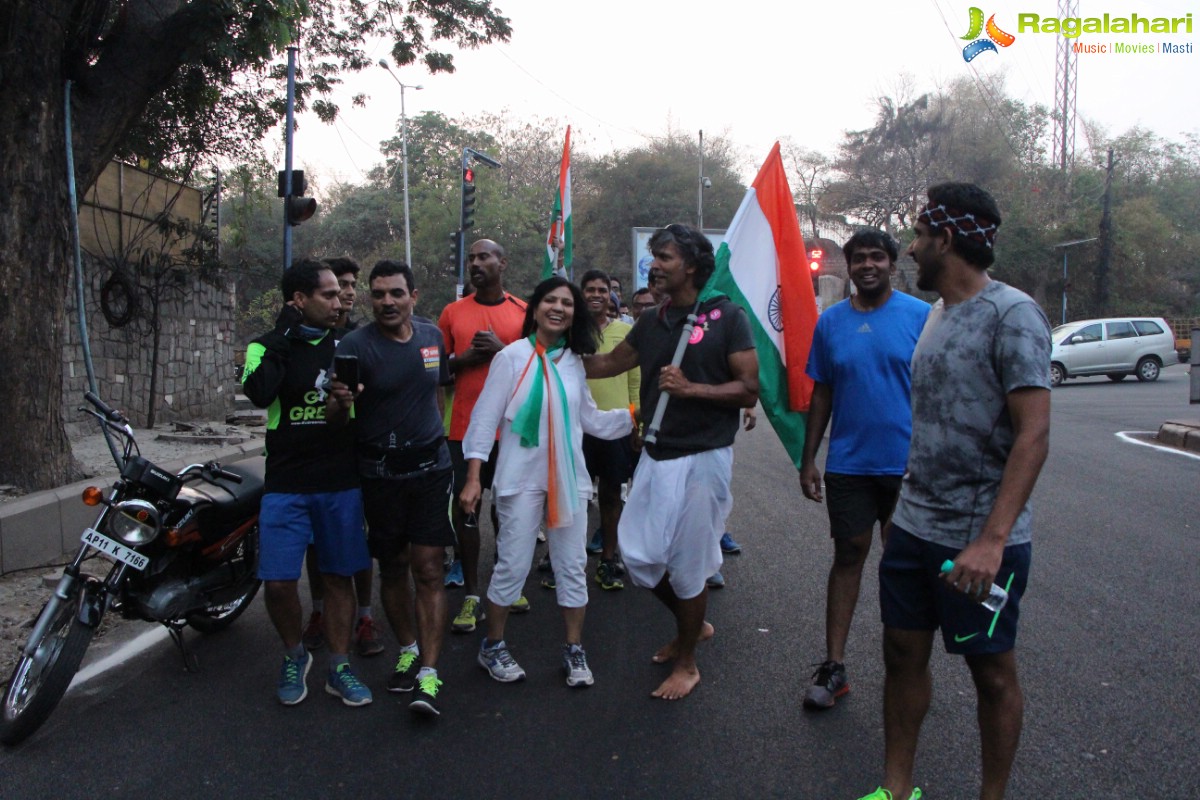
{"x":122,"y":654}
{"x":1128,"y":436}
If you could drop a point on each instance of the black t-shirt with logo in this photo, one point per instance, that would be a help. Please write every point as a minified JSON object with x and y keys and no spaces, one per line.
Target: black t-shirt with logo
{"x":691,"y":426}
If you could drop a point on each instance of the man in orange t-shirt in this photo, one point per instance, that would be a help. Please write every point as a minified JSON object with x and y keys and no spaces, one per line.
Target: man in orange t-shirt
{"x":475,"y":329}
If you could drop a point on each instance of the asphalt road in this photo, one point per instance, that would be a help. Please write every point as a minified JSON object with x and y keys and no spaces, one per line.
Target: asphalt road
{"x":1108,"y":651}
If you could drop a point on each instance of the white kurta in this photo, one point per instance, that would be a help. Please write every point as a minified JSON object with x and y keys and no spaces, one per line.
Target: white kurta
{"x":521,"y":469}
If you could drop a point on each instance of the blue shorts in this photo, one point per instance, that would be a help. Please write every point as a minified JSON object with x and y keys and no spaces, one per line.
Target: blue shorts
{"x":912,"y":596}
{"x":331,"y":521}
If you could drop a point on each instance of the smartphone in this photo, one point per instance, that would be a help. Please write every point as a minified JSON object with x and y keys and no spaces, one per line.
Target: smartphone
{"x":345,"y":369}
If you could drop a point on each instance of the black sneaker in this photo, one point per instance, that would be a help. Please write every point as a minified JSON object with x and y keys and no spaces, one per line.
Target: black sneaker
{"x":425,"y":700}
{"x":606,"y":576}
{"x":404,"y":676}
{"x":829,"y":683}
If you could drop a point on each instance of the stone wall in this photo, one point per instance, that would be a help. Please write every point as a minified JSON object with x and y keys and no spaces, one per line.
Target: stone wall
{"x":123,"y":243}
{"x":196,"y":350}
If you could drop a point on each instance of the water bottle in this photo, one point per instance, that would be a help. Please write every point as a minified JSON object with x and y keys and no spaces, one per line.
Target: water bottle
{"x":996,"y":597}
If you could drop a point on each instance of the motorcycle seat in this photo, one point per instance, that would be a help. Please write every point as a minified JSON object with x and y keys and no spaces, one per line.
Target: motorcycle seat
{"x":233,"y":501}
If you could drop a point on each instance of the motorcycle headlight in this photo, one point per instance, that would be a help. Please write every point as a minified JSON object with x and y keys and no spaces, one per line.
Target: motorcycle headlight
{"x":134,"y":522}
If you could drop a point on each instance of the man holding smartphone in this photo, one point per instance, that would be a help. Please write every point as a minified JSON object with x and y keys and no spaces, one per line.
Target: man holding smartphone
{"x":312,"y":490}
{"x":399,"y":368}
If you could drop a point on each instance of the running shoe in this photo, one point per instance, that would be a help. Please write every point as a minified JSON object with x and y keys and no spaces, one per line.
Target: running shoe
{"x":367,"y":638}
{"x":521,"y":606}
{"x":425,"y":700}
{"x":499,"y":662}
{"x":606,"y":576}
{"x":829,"y":683}
{"x":596,"y":545}
{"x":314,"y":632}
{"x":548,"y":581}
{"x":293,"y":686}
{"x":404,"y":676}
{"x":883,"y":794}
{"x":471,"y":613}
{"x":728,"y":545}
{"x":455,"y":576}
{"x":575,"y":666}
{"x":544,"y":563}
{"x":345,"y":684}
{"x":716,"y":580}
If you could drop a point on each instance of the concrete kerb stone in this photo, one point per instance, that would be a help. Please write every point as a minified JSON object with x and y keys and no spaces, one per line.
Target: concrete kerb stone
{"x":43,"y":527}
{"x":1182,"y":434}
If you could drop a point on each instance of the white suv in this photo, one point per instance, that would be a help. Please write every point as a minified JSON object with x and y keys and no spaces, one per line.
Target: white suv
{"x":1114,"y":347}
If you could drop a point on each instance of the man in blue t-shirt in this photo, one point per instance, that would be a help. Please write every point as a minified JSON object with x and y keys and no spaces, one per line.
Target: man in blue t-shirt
{"x":860,"y":358}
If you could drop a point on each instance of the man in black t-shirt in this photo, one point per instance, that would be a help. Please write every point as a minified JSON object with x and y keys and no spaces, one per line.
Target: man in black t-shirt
{"x":682,"y":483}
{"x":405,"y":468}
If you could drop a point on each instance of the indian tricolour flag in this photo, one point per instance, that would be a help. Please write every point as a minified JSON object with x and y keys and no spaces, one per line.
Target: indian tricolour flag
{"x":763,"y":267}
{"x":560,"y":219}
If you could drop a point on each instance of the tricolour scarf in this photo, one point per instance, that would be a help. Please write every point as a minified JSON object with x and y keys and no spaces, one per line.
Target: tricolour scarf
{"x":547,"y":395}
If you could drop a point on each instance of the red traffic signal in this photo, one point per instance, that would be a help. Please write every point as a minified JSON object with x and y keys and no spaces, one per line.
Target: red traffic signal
{"x":814,"y":259}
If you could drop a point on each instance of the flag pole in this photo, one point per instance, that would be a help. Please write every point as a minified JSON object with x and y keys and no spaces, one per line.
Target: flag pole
{"x":660,"y":408}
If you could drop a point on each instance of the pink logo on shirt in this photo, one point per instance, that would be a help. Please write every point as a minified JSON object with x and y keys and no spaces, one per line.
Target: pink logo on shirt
{"x":716,"y":314}
{"x":697,"y":335}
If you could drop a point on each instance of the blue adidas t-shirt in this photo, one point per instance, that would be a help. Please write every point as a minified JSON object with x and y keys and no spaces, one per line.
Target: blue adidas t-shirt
{"x":866,"y":359}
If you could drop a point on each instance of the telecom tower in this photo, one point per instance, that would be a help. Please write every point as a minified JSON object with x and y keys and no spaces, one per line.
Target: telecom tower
{"x":1066,"y":74}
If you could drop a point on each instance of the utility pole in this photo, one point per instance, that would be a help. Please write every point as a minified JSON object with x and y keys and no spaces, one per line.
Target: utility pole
{"x":1102,"y":267}
{"x":700,"y":187}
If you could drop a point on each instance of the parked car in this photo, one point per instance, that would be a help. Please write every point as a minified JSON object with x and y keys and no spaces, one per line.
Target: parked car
{"x":1116,"y":347}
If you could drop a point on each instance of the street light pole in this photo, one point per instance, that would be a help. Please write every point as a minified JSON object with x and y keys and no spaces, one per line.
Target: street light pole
{"x":403,"y":155}
{"x":1064,"y":246}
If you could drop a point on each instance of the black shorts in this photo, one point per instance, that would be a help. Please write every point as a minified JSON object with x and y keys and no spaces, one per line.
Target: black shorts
{"x":410,"y":511}
{"x":486,"y":472}
{"x":609,"y":460}
{"x":913,"y":597}
{"x":857,"y":502}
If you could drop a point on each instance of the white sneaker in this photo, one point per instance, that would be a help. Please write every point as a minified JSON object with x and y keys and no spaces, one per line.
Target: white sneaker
{"x":575,"y":666}
{"x":499,"y":663}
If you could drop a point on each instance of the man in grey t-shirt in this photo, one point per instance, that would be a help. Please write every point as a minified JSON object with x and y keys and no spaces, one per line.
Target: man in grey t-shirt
{"x":981,"y":424}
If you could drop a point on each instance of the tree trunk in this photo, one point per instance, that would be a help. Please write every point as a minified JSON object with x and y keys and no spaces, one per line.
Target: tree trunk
{"x":35,"y":254}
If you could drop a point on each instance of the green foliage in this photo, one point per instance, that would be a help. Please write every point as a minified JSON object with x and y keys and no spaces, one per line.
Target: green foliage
{"x":975,"y":132}
{"x":229,"y":89}
{"x":648,"y":186}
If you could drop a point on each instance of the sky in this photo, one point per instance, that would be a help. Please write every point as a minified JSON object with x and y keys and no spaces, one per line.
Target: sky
{"x":624,"y":71}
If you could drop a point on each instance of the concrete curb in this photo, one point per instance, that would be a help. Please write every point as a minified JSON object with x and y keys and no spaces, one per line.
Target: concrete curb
{"x":43,"y":528}
{"x":1183,"y":434}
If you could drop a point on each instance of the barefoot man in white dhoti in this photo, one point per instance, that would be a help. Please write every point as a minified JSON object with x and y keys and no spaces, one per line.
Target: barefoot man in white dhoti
{"x":680,"y":498}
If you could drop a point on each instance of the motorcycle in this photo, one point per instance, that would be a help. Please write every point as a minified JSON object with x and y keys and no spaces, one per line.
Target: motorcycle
{"x":184,"y":552}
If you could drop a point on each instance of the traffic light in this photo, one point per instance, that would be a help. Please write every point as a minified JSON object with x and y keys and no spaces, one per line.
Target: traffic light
{"x":454,"y":239}
{"x":814,"y":265}
{"x":296,"y":207}
{"x":468,"y":200}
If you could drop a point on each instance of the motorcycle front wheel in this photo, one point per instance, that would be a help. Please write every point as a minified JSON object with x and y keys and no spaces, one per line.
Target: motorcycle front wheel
{"x":40,"y":680}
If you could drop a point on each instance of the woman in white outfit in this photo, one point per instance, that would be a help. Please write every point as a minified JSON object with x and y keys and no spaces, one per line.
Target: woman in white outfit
{"x":537,"y":396}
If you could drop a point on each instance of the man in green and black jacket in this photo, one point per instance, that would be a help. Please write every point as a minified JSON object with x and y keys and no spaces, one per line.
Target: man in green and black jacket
{"x":312,"y":488}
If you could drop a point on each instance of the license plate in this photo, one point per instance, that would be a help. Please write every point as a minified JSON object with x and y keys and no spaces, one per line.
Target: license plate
{"x":120,"y":552}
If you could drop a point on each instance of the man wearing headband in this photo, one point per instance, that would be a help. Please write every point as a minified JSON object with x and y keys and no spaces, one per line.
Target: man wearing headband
{"x":981,"y":426}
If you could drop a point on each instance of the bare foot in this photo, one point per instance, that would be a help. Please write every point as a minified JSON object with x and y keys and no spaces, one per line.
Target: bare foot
{"x":670,"y":650}
{"x":679,"y":683}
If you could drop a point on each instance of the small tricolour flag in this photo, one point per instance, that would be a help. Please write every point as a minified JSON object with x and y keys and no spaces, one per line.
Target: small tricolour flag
{"x":561,"y":233}
{"x":763,"y":266}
